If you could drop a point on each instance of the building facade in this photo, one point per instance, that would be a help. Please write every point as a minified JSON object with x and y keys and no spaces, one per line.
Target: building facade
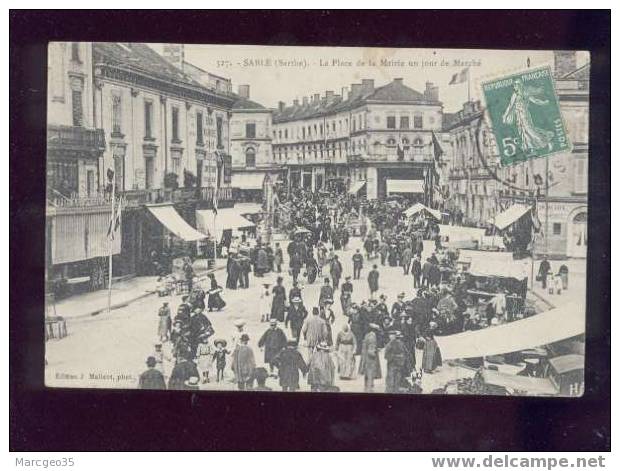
{"x":556,"y":187}
{"x":374,"y":140}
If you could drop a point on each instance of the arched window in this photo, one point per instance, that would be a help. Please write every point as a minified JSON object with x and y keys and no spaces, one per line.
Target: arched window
{"x":250,"y":157}
{"x":391,"y":141}
{"x":405,"y":141}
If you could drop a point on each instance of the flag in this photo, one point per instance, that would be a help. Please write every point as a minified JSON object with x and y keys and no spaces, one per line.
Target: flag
{"x":115,"y":221}
{"x":437,"y":150}
{"x":460,"y":77}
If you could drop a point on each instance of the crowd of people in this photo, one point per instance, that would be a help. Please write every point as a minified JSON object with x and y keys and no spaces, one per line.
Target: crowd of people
{"x":300,"y":340}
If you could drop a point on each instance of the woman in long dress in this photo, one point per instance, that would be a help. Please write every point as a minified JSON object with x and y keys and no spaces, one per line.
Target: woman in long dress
{"x":215,"y":300}
{"x":431,"y":357}
{"x":321,"y":369}
{"x":278,"y":303}
{"x":346,"y":345}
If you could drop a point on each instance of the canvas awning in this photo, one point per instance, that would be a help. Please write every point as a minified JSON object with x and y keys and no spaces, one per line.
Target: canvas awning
{"x":404,"y":186}
{"x":227,"y":218}
{"x":173,"y":221}
{"x":419,"y":207}
{"x":455,"y":233}
{"x":356,"y":187}
{"x":249,"y":208}
{"x":510,"y":216}
{"x":248,"y":181}
{"x":494,"y":267}
{"x":542,"y":329}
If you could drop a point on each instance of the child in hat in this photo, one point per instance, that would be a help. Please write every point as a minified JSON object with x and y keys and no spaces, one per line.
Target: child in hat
{"x":219,"y":356}
{"x":204,"y":357}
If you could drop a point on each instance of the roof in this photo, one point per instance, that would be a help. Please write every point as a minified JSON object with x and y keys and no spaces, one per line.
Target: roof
{"x":140,"y":58}
{"x":394,"y":91}
{"x":581,"y":73}
{"x":566,"y":363}
{"x":242,"y":103}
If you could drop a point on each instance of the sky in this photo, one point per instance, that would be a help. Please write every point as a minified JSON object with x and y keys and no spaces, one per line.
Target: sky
{"x":283,"y":73}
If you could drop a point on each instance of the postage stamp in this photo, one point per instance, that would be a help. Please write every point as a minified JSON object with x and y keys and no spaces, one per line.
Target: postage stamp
{"x":525,"y":115}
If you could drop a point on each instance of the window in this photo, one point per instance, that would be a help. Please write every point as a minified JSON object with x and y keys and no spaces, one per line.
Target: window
{"x":75,"y":52}
{"x":321,"y":129}
{"x":76,"y":103}
{"x":250,"y":130}
{"x":175,"y":124}
{"x":353,"y":125}
{"x":581,"y":175}
{"x":219,"y":123}
{"x":280,"y":134}
{"x":334,"y":126}
{"x":557,"y":228}
{"x":250,"y":157}
{"x":116,"y":114}
{"x":303,"y":133}
{"x":417,"y":121}
{"x":391,"y":122}
{"x":404,"y":122}
{"x":176,"y":162}
{"x":148,"y":120}
{"x":286,"y":134}
{"x":199,"y":129}
{"x":90,"y":183}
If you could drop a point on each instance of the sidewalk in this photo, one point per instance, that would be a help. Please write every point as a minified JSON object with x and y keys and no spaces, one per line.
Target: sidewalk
{"x":576,"y":292}
{"x":123,"y":293}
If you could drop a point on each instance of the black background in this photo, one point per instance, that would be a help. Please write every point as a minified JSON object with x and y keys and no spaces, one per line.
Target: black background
{"x":55,"y":419}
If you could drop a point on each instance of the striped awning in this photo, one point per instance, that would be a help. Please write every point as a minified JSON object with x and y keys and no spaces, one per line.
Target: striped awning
{"x":510,"y":216}
{"x":173,"y":221}
{"x":356,"y":187}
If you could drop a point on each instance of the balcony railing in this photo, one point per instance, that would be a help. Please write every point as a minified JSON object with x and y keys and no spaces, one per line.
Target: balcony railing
{"x":391,"y":157}
{"x":76,"y":138}
{"x":135,"y":198}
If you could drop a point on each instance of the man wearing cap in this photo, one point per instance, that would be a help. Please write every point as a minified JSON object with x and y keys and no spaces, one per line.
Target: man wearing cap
{"x":295,"y":316}
{"x":289,"y":363}
{"x":243,"y":363}
{"x":152,"y":378}
{"x":358,"y":264}
{"x":273,"y":340}
{"x":370,"y":367}
{"x":395,"y":355}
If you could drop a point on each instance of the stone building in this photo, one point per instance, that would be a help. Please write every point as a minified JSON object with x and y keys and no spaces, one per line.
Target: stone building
{"x":77,"y":213}
{"x":373,"y":140}
{"x":473,"y":161}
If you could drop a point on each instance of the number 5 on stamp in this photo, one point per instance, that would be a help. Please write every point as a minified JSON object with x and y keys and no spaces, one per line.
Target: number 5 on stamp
{"x":525,"y":116}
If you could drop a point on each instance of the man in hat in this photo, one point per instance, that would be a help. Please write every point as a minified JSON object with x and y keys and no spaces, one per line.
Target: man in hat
{"x":416,"y":271}
{"x":264,"y":305}
{"x":405,"y":259}
{"x":165,"y":323}
{"x":396,"y":357}
{"x":398,"y":307}
{"x":289,"y":363}
{"x":243,"y":363}
{"x":370,"y":367}
{"x":152,"y":378}
{"x":335,"y":270}
{"x":182,"y":371}
{"x":373,"y":281}
{"x":295,"y":291}
{"x":326,"y":293}
{"x":295,"y":316}
{"x":346,"y":294}
{"x":321,"y":369}
{"x":358,"y":264}
{"x":273,"y":340}
{"x":314,"y":330}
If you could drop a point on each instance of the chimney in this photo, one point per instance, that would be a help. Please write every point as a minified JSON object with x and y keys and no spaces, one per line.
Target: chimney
{"x":398,"y":80}
{"x":564,"y":62}
{"x":317,"y":98}
{"x":175,"y":54}
{"x":295,"y":102}
{"x":329,"y":94}
{"x":281,"y":106}
{"x":305,"y":101}
{"x":244,"y":91}
{"x":431,"y":92}
{"x":344,"y":92}
{"x":368,"y":86}
{"x":356,"y":90}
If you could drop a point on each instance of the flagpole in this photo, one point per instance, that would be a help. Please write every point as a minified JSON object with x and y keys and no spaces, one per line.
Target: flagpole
{"x":468,"y":86}
{"x":110,"y":242}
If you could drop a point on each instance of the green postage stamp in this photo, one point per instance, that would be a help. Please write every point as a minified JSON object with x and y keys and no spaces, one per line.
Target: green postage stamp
{"x":525,"y":115}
